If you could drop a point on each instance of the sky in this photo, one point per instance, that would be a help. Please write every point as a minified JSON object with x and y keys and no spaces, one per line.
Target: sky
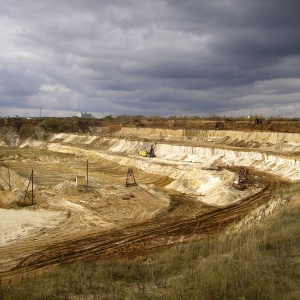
{"x":152,"y":58}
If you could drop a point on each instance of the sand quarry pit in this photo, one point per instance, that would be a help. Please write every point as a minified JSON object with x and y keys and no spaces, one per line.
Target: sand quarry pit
{"x":191,"y":189}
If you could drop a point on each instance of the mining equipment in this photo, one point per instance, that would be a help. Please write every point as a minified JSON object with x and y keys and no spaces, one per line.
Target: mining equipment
{"x":130,"y":180}
{"x":243,"y":180}
{"x":243,"y":175}
{"x":146,"y":153}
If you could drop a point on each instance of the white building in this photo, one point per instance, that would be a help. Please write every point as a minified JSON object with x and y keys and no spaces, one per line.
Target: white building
{"x":85,"y":115}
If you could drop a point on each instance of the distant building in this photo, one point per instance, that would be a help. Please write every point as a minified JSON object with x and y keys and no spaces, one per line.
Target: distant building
{"x":85,"y":115}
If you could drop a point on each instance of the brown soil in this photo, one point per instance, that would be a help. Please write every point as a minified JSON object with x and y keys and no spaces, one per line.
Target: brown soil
{"x":106,"y":219}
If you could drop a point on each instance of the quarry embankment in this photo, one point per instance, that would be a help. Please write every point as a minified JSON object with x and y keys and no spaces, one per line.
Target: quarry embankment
{"x":212,"y":135}
{"x":274,"y":153}
{"x":191,"y":189}
{"x":197,"y":164}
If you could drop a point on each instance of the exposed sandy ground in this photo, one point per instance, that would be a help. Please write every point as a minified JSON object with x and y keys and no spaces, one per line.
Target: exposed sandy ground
{"x":16,"y":224}
{"x":180,"y":196}
{"x":65,"y":208}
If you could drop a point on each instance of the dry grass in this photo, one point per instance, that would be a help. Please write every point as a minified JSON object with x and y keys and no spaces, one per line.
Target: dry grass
{"x":262,"y":262}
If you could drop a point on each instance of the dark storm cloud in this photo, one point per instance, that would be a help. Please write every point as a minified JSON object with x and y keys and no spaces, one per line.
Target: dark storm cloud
{"x":150,"y":57}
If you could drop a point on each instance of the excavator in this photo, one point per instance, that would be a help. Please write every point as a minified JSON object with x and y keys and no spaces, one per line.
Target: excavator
{"x":146,"y":153}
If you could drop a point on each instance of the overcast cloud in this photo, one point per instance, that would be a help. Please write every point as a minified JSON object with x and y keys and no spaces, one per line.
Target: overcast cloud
{"x":159,"y":57}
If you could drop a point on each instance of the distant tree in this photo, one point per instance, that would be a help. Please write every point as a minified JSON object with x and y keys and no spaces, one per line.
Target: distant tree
{"x":51,"y":124}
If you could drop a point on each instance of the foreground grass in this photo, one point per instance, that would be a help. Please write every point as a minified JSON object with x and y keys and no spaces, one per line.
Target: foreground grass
{"x":262,"y":262}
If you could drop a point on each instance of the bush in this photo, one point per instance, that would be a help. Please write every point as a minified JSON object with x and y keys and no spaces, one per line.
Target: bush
{"x":51,"y":124}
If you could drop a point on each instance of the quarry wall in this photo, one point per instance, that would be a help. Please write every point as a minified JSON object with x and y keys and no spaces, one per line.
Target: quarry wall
{"x":156,"y":133}
{"x":287,"y":167}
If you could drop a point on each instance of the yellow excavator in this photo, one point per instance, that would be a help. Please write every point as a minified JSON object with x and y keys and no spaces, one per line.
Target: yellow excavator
{"x":146,"y":153}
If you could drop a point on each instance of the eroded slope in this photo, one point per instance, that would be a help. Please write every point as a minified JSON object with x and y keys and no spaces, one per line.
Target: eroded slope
{"x":189,"y":190}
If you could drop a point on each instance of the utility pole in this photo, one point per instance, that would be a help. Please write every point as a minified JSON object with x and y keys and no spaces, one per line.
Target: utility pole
{"x":9,"y":186}
{"x":30,"y":180}
{"x":87,"y":174}
{"x":32,"y":201}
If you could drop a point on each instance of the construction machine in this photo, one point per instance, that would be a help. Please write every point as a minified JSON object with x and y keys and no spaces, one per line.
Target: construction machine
{"x":146,"y":153}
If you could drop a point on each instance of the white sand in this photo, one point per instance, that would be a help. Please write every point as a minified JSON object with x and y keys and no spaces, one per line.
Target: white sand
{"x":17,"y":224}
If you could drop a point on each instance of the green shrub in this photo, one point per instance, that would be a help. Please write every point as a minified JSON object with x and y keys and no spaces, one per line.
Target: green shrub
{"x":51,"y":124}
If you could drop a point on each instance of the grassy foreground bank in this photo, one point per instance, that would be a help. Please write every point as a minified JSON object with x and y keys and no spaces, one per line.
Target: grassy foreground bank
{"x":261,"y":262}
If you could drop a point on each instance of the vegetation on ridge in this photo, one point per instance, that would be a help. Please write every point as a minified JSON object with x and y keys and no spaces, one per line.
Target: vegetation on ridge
{"x":26,"y":127}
